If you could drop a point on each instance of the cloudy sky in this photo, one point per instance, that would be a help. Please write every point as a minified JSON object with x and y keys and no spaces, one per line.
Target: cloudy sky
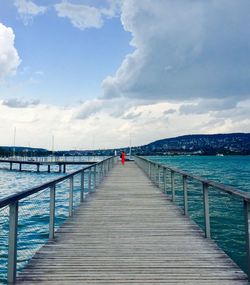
{"x":93,"y":73}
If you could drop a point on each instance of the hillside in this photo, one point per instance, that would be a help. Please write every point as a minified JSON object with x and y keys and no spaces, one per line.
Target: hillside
{"x":235,"y":143}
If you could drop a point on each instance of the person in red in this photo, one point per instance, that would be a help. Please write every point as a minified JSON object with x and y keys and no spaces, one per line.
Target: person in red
{"x":123,"y":157}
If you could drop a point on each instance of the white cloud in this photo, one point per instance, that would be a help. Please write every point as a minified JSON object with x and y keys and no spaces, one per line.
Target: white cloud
{"x":9,"y":58}
{"x":184,"y":49}
{"x":28,"y":9}
{"x":145,"y":123}
{"x":85,"y":16}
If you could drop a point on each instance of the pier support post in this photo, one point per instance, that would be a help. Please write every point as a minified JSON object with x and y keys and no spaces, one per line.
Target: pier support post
{"x":38,"y":167}
{"x":71,"y":188}
{"x":60,"y":167}
{"x":172,"y":185}
{"x":12,"y":249}
{"x":48,"y":168}
{"x":206,"y":210}
{"x":247,"y":231}
{"x":52,"y":212}
{"x":20,"y":166}
{"x":64,"y":168}
{"x":10,"y":165}
{"x":185,"y":195}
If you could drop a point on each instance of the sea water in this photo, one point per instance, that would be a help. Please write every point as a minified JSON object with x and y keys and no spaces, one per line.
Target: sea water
{"x":226,"y":211}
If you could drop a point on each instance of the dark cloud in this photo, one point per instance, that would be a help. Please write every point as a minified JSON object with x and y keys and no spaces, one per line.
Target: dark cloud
{"x":169,"y":111}
{"x":207,"y":105}
{"x":192,"y":49}
{"x":131,"y":116}
{"x":17,"y":103}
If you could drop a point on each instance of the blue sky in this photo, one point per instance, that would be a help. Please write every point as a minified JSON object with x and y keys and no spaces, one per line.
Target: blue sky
{"x":92,"y":73}
{"x":52,"y":51}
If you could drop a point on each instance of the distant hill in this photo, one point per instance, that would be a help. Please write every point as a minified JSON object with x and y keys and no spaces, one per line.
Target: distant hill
{"x":235,"y":143}
{"x":21,"y":150}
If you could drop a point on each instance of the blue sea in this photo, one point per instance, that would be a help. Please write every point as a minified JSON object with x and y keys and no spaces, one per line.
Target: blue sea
{"x":227,"y":216}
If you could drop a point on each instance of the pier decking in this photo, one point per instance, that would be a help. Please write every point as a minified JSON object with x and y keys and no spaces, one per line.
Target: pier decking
{"x":128,"y":232}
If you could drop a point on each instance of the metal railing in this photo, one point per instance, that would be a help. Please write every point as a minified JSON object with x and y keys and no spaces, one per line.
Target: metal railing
{"x":158,"y":172}
{"x":94,"y":173}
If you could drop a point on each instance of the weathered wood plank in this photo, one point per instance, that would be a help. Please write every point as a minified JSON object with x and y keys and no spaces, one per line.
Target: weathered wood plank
{"x":130,"y":233}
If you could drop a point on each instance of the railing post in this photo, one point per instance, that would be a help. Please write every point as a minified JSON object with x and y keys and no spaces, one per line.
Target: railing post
{"x":206,"y":210}
{"x":172,"y":185}
{"x":155,"y":176}
{"x":97,"y":174}
{"x":247,"y":231}
{"x":185,"y":195}
{"x":164,"y":180}
{"x":52,"y":212}
{"x":89,"y":181}
{"x":94,"y":177}
{"x":150,"y":170}
{"x":103,"y":169}
{"x":12,"y":246}
{"x":159,"y":176}
{"x":71,"y":188}
{"x":154,"y":171}
{"x":82,"y":187}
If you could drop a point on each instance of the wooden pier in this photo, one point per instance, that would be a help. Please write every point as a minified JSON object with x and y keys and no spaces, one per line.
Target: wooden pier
{"x":128,"y":232}
{"x":61,"y":164}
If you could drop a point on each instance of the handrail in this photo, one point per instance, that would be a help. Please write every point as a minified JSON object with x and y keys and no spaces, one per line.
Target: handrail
{"x":25,"y":193}
{"x":228,"y":189}
{"x":154,"y":170}
{"x":13,"y":203}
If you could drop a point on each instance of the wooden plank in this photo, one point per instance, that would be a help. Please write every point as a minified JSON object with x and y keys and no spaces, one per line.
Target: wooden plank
{"x":128,"y":232}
